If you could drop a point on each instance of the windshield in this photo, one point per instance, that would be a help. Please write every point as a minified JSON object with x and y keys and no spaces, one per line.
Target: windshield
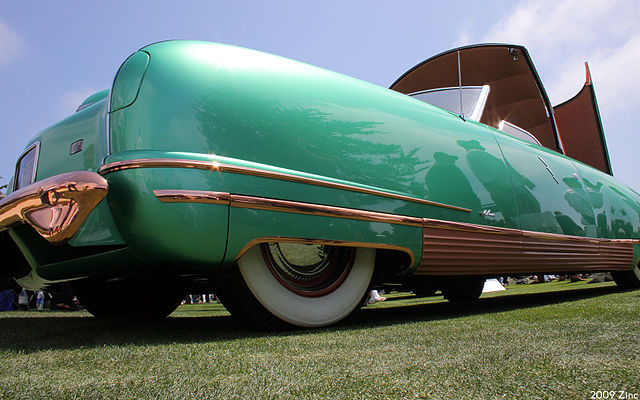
{"x":473,"y":99}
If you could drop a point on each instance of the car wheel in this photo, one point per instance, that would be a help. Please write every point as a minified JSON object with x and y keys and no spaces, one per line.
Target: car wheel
{"x":463,"y":289}
{"x":277,"y":285}
{"x":627,"y":279}
{"x":129,"y":297}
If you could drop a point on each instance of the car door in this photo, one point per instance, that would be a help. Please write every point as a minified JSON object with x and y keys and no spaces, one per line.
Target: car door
{"x":550,"y":195}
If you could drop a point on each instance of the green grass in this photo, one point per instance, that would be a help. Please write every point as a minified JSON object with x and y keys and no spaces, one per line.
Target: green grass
{"x":547,"y":341}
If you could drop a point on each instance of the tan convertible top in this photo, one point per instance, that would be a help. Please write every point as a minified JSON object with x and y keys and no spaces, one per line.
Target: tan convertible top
{"x":517,"y":95}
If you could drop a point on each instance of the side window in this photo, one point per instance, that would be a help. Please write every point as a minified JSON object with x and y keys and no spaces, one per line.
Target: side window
{"x":515,"y":130}
{"x":468,"y":101}
{"x":26,"y":167}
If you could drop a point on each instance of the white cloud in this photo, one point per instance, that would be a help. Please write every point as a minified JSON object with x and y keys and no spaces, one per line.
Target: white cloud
{"x":560,"y":36}
{"x":464,"y":39}
{"x":71,"y":99}
{"x":614,"y":72}
{"x":11,"y":45}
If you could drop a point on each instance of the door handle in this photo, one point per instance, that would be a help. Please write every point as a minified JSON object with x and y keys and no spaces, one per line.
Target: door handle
{"x":548,"y":169}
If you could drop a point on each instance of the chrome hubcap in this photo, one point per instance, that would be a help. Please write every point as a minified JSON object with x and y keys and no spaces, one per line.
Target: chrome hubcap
{"x":309,"y":270}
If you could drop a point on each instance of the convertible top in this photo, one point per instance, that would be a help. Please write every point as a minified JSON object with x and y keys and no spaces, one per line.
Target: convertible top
{"x":578,"y":121}
{"x":517,"y":96}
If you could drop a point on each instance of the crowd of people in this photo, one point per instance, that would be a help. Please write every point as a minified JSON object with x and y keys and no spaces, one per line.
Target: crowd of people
{"x":593,"y":278}
{"x":62,"y":298}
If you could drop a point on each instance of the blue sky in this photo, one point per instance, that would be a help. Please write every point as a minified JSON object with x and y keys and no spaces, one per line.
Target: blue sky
{"x":54,"y":54}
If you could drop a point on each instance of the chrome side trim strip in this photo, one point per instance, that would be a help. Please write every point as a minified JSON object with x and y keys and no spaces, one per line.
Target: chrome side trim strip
{"x":55,"y":207}
{"x":236,"y":169}
{"x":107,"y":126}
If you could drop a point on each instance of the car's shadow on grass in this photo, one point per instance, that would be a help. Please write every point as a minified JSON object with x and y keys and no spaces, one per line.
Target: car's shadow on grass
{"x":444,"y":310}
{"x":76,"y":331}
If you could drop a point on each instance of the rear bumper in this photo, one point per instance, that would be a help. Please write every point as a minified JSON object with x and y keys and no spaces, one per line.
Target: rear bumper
{"x":55,"y":207}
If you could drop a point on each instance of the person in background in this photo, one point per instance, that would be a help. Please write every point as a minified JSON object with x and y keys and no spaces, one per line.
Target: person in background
{"x":375,"y":297}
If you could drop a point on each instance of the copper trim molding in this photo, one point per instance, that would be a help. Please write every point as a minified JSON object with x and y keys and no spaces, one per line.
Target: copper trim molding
{"x":321,"y":210}
{"x":326,"y":242}
{"x":236,"y":169}
{"x":192,"y":196}
{"x":261,"y":203}
{"x":157,"y":163}
{"x":55,"y":207}
{"x":453,"y":248}
{"x":467,"y":227}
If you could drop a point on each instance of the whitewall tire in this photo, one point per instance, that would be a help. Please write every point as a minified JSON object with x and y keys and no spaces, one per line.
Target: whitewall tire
{"x":339,"y":280}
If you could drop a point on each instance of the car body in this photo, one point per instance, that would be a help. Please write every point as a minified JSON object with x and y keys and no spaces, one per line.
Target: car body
{"x":291,"y":190}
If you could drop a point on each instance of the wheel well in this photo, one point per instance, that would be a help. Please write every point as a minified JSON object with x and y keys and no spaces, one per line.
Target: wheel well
{"x":391,"y":267}
{"x":392,"y":262}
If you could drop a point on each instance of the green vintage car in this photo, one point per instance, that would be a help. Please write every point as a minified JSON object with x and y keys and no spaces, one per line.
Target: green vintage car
{"x":290,"y":191}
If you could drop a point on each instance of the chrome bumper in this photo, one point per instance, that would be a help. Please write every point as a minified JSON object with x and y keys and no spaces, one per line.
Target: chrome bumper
{"x":55,"y":207}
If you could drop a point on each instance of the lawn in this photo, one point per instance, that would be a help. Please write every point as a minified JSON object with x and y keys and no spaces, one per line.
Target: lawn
{"x":549,"y":341}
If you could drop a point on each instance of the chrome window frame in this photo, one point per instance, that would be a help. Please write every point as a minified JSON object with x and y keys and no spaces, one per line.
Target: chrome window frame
{"x":107,"y":125}
{"x":83,"y":106}
{"x":478,"y":109}
{"x":16,"y":182}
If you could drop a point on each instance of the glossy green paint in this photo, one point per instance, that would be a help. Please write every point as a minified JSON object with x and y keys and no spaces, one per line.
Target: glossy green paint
{"x":168,"y":234}
{"x":238,"y":103}
{"x":203,"y":228}
{"x":550,"y":196}
{"x":31,"y":281}
{"x":246,"y":225}
{"x":616,"y":208}
{"x":99,"y":229}
{"x":109,"y":263}
{"x":94,"y":98}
